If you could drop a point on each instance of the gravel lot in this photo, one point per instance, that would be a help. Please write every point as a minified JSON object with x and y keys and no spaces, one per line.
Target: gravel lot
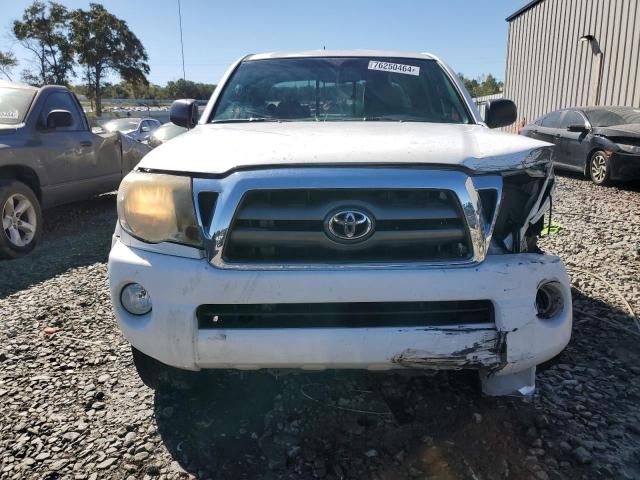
{"x":73,"y":406}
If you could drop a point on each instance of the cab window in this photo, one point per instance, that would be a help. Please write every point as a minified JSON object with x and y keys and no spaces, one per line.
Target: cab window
{"x":63,"y":101}
{"x":539,"y":120}
{"x":571,"y":117}
{"x":552,"y":120}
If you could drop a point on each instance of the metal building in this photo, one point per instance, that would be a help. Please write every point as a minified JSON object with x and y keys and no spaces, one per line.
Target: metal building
{"x":564,"y":53}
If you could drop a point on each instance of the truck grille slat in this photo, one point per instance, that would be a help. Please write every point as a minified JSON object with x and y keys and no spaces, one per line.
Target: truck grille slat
{"x":268,"y":212}
{"x":258,"y":237}
{"x":290,"y":226}
{"x":345,"y":315}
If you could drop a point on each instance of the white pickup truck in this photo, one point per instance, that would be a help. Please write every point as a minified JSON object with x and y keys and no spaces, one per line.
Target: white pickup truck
{"x":340,"y":209}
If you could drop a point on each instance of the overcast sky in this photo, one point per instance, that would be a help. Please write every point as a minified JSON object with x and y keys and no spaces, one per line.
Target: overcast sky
{"x":470,"y":35}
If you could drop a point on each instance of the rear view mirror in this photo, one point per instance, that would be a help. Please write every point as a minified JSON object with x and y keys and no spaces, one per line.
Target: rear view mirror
{"x":184,"y":113}
{"x":577,"y":128}
{"x":59,"y":119}
{"x":500,"y":113}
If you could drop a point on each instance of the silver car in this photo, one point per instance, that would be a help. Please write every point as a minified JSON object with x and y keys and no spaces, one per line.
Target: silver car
{"x":139,"y":129}
{"x":165,"y":133}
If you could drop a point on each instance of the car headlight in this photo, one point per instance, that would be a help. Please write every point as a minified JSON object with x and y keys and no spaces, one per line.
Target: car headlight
{"x":629,"y":148}
{"x":158,"y":208}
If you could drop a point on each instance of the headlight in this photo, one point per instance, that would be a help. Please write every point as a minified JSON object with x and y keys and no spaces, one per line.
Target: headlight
{"x":158,"y":208}
{"x":629,"y":148}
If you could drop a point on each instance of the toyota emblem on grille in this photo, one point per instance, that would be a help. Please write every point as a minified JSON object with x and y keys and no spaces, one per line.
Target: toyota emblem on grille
{"x":348,"y":225}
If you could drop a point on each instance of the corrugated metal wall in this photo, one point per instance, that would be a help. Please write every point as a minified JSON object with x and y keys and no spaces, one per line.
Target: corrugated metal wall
{"x":549,"y":68}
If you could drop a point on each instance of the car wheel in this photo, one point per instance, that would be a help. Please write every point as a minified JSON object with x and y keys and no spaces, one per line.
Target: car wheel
{"x":600,"y":168}
{"x":158,"y":376}
{"x":21,"y":219}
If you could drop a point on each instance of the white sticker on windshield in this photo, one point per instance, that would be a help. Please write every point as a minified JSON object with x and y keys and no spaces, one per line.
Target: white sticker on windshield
{"x":394,"y":67}
{"x":10,"y":115}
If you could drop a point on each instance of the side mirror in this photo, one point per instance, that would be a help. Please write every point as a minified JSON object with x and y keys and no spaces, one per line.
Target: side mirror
{"x":184,"y":113}
{"x":145,"y":129}
{"x":578,"y":128}
{"x":59,"y":119}
{"x":500,"y":113}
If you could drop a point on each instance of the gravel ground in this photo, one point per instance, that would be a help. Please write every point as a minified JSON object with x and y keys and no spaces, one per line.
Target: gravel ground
{"x":74,"y":408}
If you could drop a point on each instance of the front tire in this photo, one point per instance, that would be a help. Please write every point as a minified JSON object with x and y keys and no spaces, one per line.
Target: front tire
{"x":600,"y":168}
{"x":158,"y":376}
{"x":21,"y":219}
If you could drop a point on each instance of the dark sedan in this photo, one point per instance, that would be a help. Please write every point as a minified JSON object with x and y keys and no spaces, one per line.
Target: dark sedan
{"x":601,"y":142}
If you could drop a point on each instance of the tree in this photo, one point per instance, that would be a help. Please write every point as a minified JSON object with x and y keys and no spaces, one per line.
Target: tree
{"x":104,"y":44}
{"x":491,"y":85}
{"x":188,"y":89}
{"x":44,"y":32}
{"x":7,"y":62}
{"x":481,"y":86}
{"x":470,"y":85}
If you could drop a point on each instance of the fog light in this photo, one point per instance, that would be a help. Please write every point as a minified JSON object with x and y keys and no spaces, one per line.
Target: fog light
{"x":135,"y":299}
{"x":549,"y":301}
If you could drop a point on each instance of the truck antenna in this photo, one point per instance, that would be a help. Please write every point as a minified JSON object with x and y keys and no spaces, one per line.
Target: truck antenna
{"x":184,"y":75}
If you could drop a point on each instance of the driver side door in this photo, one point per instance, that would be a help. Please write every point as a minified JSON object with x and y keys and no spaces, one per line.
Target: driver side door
{"x":67,"y":153}
{"x":573,"y":145}
{"x":78,"y":162}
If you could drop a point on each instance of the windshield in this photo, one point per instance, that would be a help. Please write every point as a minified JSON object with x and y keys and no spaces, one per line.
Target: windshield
{"x":618,"y":116}
{"x":14,"y":103}
{"x":121,"y":125}
{"x":338,"y":89}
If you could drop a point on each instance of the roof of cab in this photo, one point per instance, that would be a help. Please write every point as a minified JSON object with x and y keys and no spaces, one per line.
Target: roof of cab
{"x":16,"y":85}
{"x":23,"y":86}
{"x":341,"y":53}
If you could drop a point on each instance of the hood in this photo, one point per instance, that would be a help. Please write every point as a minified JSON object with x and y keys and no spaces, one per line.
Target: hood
{"x":219,"y":148}
{"x":628,"y":130}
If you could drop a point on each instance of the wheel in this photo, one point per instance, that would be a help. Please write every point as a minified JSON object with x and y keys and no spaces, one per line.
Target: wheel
{"x":158,"y":376}
{"x":600,"y":168}
{"x":21,"y":219}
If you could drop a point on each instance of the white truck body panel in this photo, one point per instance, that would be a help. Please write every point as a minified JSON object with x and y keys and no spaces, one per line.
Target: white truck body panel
{"x":217,"y":149}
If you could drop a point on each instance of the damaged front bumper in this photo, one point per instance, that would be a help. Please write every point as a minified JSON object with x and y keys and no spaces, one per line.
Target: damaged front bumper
{"x":625,"y":166}
{"x":511,"y":344}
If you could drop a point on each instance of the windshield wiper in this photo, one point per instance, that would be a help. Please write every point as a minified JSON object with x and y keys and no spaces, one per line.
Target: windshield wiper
{"x":247,"y":120}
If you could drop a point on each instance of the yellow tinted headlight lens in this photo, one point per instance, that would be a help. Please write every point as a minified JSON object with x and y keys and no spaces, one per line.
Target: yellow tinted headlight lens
{"x":158,"y":208}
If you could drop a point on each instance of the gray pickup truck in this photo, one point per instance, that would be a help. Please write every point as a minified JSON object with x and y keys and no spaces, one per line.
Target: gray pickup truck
{"x":49,"y":156}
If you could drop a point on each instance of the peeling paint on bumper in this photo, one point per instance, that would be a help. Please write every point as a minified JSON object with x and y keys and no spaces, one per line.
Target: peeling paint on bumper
{"x":483,"y":354}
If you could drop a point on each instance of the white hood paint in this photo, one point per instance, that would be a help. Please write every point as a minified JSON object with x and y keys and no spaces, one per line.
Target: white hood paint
{"x":219,"y":148}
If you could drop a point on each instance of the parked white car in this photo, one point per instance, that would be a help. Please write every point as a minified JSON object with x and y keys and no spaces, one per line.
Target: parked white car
{"x":340,"y":209}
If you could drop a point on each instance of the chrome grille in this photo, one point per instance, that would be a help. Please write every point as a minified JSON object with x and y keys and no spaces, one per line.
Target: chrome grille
{"x":288,"y":226}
